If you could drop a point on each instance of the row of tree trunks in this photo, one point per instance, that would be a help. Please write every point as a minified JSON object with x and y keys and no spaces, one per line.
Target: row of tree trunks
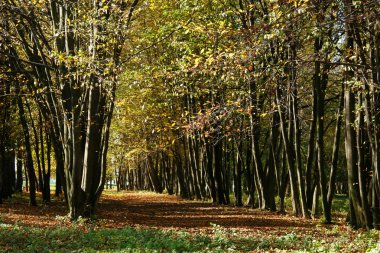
{"x":35,"y":135}
{"x":29,"y":157}
{"x":256,"y":154}
{"x":76,"y":108}
{"x":362,"y":118}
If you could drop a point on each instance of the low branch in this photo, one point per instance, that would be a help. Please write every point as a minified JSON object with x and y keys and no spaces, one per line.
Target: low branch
{"x":26,"y":61}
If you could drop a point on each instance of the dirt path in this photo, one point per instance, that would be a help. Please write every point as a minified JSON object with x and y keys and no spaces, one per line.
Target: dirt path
{"x":170,"y":212}
{"x":150,"y":210}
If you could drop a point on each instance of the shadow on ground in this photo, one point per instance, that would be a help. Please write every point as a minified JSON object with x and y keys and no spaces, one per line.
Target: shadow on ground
{"x":150,"y":210}
{"x":162,"y":211}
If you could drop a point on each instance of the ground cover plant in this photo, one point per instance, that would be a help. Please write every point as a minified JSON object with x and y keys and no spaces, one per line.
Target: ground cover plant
{"x":151,"y":222}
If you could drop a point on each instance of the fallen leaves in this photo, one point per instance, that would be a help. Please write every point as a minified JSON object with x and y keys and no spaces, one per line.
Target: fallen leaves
{"x":167,"y":212}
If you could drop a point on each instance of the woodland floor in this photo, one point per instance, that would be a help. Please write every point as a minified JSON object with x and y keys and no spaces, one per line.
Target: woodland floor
{"x":159,"y":211}
{"x":171,"y":212}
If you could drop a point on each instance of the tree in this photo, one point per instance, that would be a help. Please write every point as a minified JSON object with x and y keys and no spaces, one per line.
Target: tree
{"x":69,"y":53}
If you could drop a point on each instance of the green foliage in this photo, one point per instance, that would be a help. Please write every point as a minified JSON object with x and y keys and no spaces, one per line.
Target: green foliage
{"x":64,"y":239}
{"x":221,"y":237}
{"x":16,"y":238}
{"x":340,"y":203}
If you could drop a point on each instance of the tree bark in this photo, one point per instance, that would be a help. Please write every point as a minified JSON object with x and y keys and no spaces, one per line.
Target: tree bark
{"x":28,"y":150}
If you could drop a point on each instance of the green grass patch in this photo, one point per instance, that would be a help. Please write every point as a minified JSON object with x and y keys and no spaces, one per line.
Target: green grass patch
{"x":74,"y":239}
{"x":25,"y":239}
{"x":340,"y":203}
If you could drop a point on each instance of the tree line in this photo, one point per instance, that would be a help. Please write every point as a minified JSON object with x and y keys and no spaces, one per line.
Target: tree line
{"x":264,"y":99}
{"x":215,"y":100}
{"x":65,"y":56}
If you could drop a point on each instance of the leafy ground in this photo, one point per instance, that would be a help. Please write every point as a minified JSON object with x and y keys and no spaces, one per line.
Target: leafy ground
{"x":145,"y":222}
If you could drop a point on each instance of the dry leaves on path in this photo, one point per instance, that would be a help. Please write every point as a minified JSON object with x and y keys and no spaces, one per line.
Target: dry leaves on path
{"x":161,"y":211}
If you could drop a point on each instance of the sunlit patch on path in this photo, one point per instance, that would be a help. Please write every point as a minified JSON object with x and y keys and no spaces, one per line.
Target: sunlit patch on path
{"x":170,"y":212}
{"x":151,"y":210}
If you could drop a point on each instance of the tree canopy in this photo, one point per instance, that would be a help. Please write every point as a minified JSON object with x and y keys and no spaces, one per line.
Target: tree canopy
{"x":249,"y":101}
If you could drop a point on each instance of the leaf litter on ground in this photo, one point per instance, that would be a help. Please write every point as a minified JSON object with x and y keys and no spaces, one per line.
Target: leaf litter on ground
{"x":145,"y":221}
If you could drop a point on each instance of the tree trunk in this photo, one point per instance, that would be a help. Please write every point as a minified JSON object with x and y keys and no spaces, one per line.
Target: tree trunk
{"x":183,"y":188}
{"x":297,"y":131}
{"x":289,"y":153}
{"x":357,"y":214}
{"x":250,"y":175}
{"x":335,"y":153}
{"x":218,"y":153}
{"x":40,"y":184}
{"x":19,"y":179}
{"x":46,"y":173}
{"x":28,"y":150}
{"x":238,"y":173}
{"x":210,"y":171}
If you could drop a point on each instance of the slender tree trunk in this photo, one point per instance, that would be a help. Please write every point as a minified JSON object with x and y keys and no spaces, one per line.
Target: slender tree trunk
{"x":361,"y":141}
{"x":218,"y":153}
{"x":319,"y":81}
{"x":311,"y":152}
{"x":256,"y":154}
{"x":271,"y":165}
{"x":375,"y":97}
{"x":238,"y":173}
{"x":210,"y":170}
{"x":227,"y":157}
{"x":297,"y":130}
{"x":357,"y":214}
{"x":183,"y":188}
{"x":335,"y":153}
{"x":28,"y":150}
{"x":59,"y":167}
{"x":40,"y":184}
{"x":250,"y":175}
{"x":289,"y":153}
{"x":46,"y":173}
{"x":153,"y":175}
{"x":193,"y":168}
{"x":19,"y":179}
{"x":284,"y":181}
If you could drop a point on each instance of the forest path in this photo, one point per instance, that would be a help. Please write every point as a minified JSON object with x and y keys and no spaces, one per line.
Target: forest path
{"x":161,"y":211}
{"x":151,"y":210}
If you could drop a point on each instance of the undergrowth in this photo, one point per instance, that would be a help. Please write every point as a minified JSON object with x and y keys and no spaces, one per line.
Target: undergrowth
{"x":87,"y":236}
{"x":15,"y":238}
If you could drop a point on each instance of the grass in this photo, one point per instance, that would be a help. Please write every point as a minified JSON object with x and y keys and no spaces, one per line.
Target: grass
{"x":92,"y":236}
{"x":15,"y":238}
{"x":340,"y":203}
{"x":26,"y":239}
